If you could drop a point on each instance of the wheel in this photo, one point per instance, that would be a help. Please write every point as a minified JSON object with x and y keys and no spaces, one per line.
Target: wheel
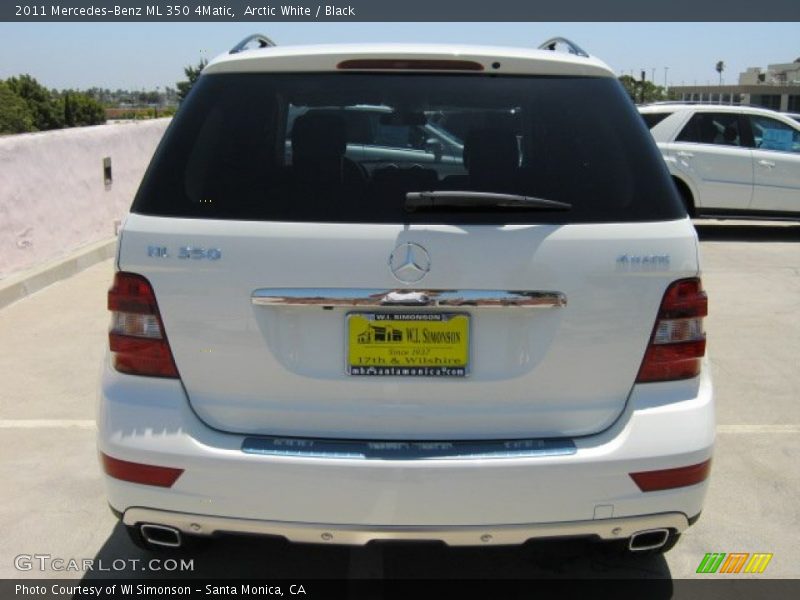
{"x":686,"y":196}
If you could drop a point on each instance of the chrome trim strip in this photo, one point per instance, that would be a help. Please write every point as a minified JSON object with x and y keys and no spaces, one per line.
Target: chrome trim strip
{"x":366,"y":297}
{"x":358,"y":535}
{"x":406,"y":450}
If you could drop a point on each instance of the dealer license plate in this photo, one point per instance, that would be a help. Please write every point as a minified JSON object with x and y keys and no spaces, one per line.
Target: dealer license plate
{"x":408,"y":344}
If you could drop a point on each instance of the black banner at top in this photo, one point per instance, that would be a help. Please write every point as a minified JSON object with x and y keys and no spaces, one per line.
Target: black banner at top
{"x":396,"y":10}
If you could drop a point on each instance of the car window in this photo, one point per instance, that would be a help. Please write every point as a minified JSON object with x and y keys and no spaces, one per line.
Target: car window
{"x":653,"y":119}
{"x":332,"y":147}
{"x":770,"y":134}
{"x":712,"y":128}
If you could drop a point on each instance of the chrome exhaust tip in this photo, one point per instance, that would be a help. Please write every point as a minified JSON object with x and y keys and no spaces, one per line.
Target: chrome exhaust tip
{"x":649,"y":539}
{"x":161,"y":535}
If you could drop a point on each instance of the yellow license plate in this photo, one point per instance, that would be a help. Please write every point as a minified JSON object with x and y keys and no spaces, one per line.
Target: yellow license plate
{"x":408,"y":344}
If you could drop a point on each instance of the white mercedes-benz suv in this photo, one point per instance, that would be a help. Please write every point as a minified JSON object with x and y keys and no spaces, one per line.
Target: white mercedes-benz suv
{"x":324,"y":328}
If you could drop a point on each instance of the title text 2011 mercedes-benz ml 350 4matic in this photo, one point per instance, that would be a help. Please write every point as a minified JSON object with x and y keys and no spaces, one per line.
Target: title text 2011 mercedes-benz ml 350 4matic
{"x":407,"y":292}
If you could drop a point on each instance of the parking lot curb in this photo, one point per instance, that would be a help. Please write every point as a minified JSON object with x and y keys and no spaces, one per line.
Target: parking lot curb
{"x":21,"y":285}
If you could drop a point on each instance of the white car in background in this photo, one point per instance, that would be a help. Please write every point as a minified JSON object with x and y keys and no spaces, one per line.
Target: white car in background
{"x":339,"y":347}
{"x":730,"y":161}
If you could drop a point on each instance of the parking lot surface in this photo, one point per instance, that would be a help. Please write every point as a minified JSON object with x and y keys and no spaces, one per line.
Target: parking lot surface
{"x":52,"y":345}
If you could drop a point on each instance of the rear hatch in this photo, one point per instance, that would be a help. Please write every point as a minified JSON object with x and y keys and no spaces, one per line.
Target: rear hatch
{"x":302,"y":295}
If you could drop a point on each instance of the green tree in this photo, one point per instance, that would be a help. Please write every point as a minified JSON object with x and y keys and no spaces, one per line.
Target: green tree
{"x":15,"y":116}
{"x":192,"y":73}
{"x":69,"y":110}
{"x":46,"y":109}
{"x":643,"y":92}
{"x":81,"y":109}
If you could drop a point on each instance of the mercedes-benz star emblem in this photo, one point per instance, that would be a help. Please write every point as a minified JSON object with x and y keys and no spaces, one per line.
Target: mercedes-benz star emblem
{"x":409,"y":262}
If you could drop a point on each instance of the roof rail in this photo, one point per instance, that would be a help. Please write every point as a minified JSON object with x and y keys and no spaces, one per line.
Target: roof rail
{"x":263,"y":42}
{"x":572,"y":47}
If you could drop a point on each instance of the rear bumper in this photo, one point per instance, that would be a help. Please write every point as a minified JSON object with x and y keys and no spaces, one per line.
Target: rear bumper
{"x":588,"y":492}
{"x":475,"y":535}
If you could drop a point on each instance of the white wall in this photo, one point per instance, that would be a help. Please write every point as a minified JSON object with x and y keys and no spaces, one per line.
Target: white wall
{"x":53,"y":198}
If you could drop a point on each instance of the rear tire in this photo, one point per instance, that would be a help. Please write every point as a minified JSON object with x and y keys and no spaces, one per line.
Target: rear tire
{"x":686,"y":196}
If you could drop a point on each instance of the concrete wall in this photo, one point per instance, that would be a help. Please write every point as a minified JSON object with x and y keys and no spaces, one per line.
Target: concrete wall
{"x":53,"y":197}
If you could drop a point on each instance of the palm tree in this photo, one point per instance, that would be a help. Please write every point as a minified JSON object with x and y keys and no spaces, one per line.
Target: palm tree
{"x":720,"y":69}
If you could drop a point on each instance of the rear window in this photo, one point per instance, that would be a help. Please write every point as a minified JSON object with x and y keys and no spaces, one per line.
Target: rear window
{"x":336,"y":147}
{"x":653,"y":119}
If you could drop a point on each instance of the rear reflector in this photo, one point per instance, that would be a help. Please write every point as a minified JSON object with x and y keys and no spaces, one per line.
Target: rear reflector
{"x":137,"y":340}
{"x":666,"y":479}
{"x":678,"y":341}
{"x":410,"y":64}
{"x":139,"y":473}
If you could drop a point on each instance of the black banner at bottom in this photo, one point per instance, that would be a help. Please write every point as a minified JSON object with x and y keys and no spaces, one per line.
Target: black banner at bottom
{"x":329,"y":589}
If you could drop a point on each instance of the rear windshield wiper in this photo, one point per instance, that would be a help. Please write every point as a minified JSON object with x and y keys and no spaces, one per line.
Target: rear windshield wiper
{"x":471,"y":199}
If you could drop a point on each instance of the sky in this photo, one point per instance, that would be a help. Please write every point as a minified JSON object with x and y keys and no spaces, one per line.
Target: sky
{"x":150,"y":55}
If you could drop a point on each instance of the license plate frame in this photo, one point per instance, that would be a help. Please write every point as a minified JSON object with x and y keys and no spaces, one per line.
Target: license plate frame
{"x":454,"y":356}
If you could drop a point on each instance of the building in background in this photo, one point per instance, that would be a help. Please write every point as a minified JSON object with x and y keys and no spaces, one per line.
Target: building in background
{"x":777,"y":87}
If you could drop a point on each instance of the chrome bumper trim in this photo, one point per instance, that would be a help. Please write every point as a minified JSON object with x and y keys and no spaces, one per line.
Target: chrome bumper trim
{"x":401,"y":450}
{"x":358,"y":535}
{"x":365,"y":297}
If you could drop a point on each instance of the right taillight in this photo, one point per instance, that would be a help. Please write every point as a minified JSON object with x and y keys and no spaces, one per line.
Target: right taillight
{"x":137,"y":340}
{"x":678,"y":342}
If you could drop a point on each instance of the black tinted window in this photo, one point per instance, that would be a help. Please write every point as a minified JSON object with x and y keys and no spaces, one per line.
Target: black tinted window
{"x":653,"y":119}
{"x":712,"y":128}
{"x":348,"y":147}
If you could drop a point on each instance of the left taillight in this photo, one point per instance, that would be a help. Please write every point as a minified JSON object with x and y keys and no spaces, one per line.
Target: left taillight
{"x":137,"y":340}
{"x":678,"y":342}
